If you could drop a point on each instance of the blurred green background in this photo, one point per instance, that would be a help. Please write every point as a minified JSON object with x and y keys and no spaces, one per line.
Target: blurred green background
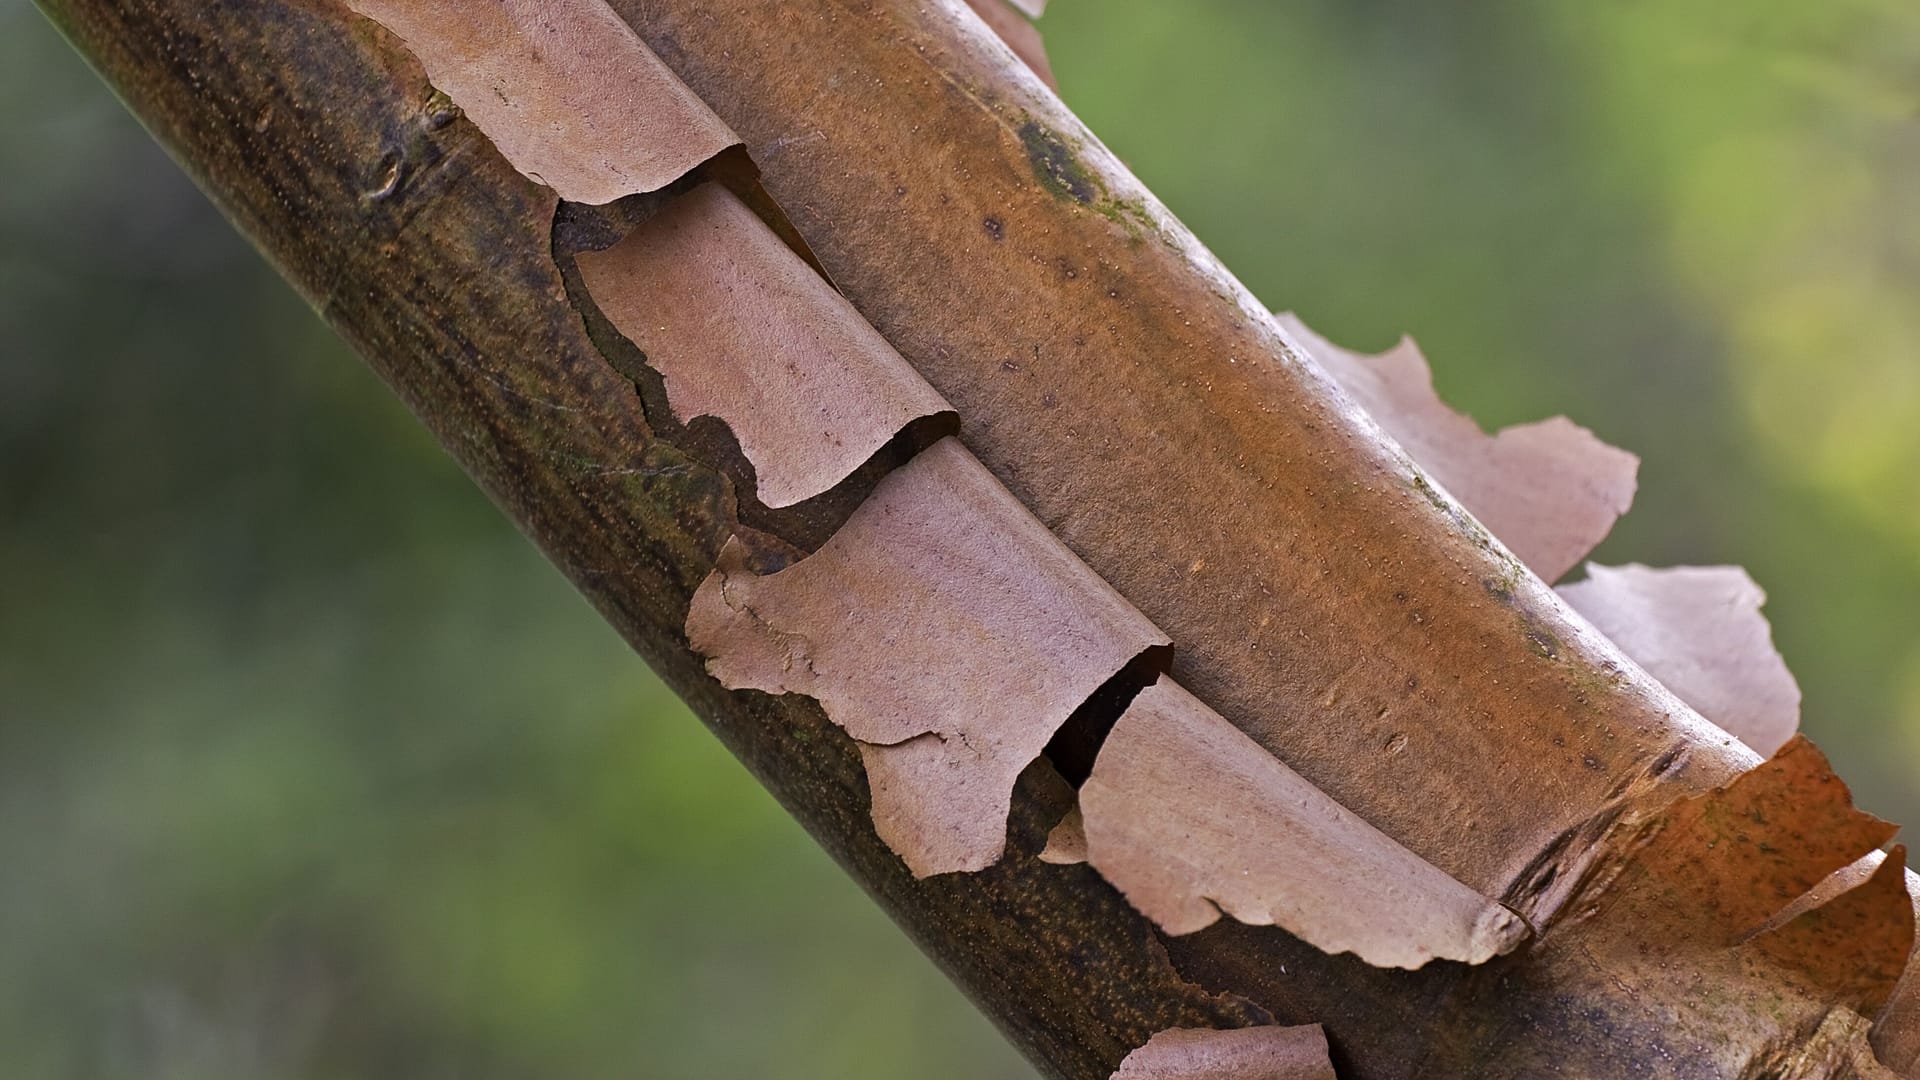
{"x":310,"y":767}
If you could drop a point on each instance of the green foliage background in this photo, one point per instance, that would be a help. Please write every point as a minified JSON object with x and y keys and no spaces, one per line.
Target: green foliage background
{"x":311,"y":768}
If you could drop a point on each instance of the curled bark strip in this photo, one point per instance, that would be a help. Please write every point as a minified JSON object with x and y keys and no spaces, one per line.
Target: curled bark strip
{"x":1735,"y":856}
{"x":1852,"y":946}
{"x":1694,"y":908}
{"x":741,"y":328}
{"x":1255,"y":1053}
{"x":564,"y":88}
{"x":942,"y":614}
{"x":1844,"y":880}
{"x":1698,"y":629}
{"x":1189,"y":818}
{"x":1550,"y":491}
{"x":941,"y":801}
{"x":1020,"y":35}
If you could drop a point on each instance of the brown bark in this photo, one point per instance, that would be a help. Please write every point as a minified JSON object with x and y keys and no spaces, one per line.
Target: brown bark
{"x":1320,"y":597}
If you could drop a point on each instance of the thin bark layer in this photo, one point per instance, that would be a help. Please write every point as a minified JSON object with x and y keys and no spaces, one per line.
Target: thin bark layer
{"x":1120,"y":384}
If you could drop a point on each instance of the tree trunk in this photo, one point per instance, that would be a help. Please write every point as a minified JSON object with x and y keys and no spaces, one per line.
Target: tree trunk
{"x":1138,"y":401}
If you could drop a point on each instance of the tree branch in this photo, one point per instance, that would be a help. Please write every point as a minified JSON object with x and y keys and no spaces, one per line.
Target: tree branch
{"x":1116,"y":380}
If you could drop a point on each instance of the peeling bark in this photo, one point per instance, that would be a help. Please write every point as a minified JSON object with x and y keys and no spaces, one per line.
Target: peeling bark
{"x":742,"y":329}
{"x":1157,"y":424}
{"x":564,"y":89}
{"x":1190,"y":819}
{"x":1257,"y":1053}
{"x":1550,"y":491}
{"x":942,"y":627}
{"x":1698,"y":629}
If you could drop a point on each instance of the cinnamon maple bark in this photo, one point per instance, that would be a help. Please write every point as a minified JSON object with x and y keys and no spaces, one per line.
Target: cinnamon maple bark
{"x":1122,"y":386}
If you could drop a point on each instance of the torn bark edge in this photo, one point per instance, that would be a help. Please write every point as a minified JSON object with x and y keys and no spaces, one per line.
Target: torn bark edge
{"x":1698,"y":630}
{"x":940,"y":795}
{"x":577,"y":225}
{"x":1701,"y":633}
{"x":1580,"y":874}
{"x":901,"y":813}
{"x":588,"y":225}
{"x":1191,"y":809}
{"x":708,"y":440}
{"x":1586,"y":860}
{"x":592,"y":213}
{"x":1776,"y":868}
{"x":1165,"y":996}
{"x":805,"y":525}
{"x":517,"y":67}
{"x":580,"y":228}
{"x":1733,"y":877}
{"x":1852,"y":945}
{"x":743,"y":330}
{"x":1549,"y":491}
{"x":1250,"y":1053}
{"x":594,"y":216}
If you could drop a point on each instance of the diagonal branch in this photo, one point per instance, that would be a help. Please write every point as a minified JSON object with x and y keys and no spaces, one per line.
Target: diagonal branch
{"x":1323,"y":599}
